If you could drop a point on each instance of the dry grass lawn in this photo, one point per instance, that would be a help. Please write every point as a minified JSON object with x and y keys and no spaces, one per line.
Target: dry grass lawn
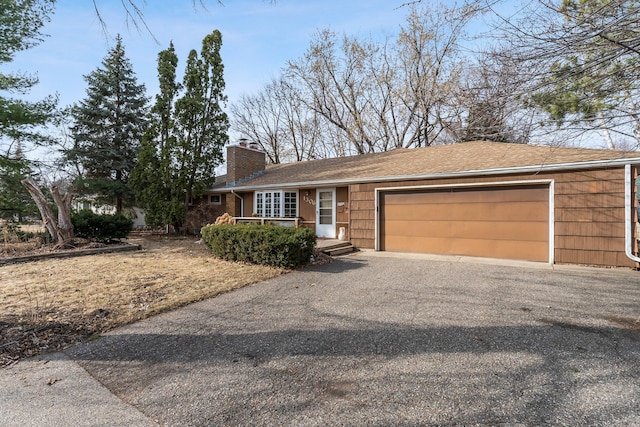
{"x":47,"y":305}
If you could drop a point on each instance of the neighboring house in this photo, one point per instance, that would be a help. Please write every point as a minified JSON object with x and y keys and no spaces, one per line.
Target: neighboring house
{"x":484,"y":199}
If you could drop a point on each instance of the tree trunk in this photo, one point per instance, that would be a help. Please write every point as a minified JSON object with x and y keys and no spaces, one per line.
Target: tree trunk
{"x":60,"y":229}
{"x":65,"y":226}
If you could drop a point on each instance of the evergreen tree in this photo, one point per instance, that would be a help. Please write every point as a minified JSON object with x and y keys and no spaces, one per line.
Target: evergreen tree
{"x":201,"y":124}
{"x":15,"y":202}
{"x":109,"y":124}
{"x":186,"y":137}
{"x":152,"y":178}
{"x":20,"y":25}
{"x":593,"y":78}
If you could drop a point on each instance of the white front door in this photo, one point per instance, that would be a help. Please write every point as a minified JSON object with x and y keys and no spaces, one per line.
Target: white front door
{"x":326,"y":213}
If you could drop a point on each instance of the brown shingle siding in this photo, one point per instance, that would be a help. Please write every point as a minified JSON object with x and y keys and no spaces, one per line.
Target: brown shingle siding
{"x":590,"y":201}
{"x":595,"y":229}
{"x":584,"y":214}
{"x":605,"y":244}
{"x":368,"y":214}
{"x":362,"y":204}
{"x":591,"y":186}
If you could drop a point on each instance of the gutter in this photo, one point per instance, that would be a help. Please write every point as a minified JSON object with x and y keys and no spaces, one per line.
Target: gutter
{"x":628,"y":215}
{"x":241,"y":202}
{"x":460,"y":174}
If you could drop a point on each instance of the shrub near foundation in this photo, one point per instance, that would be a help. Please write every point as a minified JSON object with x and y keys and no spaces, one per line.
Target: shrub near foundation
{"x":261,"y":244}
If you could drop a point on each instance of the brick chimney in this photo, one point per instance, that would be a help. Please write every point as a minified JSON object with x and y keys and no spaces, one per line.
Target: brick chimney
{"x":244,"y":161}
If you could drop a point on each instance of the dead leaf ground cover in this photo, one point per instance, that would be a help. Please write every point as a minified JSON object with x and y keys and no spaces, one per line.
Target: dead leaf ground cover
{"x":48,"y":305}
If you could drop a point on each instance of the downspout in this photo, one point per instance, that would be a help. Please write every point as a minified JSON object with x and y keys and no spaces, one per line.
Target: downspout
{"x":241,"y":202}
{"x":628,"y":215}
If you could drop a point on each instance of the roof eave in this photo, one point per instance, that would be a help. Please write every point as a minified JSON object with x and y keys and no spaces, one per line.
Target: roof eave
{"x":594,"y":164}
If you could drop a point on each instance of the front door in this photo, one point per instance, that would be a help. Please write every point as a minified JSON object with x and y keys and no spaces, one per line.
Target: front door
{"x":326,"y":213}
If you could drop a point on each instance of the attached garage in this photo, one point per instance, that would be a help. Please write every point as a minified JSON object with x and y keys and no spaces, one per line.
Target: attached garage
{"x":498,"y":221}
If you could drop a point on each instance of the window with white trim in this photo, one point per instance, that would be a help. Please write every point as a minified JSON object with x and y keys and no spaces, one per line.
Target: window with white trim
{"x":290,"y":204}
{"x":276,"y":204}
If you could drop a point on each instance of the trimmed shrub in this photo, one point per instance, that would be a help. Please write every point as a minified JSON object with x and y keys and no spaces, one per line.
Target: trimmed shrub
{"x":100,"y":228}
{"x":261,"y":244}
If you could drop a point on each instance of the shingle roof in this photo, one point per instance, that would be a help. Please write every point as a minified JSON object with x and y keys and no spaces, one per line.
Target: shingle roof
{"x":471,"y":157}
{"x":221,"y":182}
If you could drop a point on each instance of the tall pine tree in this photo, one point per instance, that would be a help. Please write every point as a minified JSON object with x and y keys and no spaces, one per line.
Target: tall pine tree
{"x":109,"y":125}
{"x":20,"y":25}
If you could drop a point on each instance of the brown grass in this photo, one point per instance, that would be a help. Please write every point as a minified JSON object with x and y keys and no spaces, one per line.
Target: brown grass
{"x":79,"y":297}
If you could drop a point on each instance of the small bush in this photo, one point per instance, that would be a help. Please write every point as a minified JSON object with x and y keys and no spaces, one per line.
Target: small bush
{"x":261,"y":244}
{"x":101,"y":228}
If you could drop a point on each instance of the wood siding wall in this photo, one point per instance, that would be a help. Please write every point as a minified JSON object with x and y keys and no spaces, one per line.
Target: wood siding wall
{"x":342,"y":212}
{"x":588,"y":214}
{"x":307,"y":207}
{"x":247,"y":201}
{"x":589,"y":218}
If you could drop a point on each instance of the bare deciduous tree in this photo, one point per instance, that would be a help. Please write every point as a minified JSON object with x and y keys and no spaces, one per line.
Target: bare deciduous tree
{"x":489,"y":104}
{"x":278,"y":122}
{"x":60,"y":228}
{"x":591,"y":52}
{"x":380,"y":96}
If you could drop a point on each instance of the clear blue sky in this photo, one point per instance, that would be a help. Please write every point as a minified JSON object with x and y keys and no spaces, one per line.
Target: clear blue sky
{"x":258,"y":38}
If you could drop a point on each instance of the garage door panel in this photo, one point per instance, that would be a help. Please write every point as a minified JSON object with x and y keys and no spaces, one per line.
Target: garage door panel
{"x":481,"y":195}
{"x":526,"y":231}
{"x":508,"y":249}
{"x":523,"y":211}
{"x":498,"y":222}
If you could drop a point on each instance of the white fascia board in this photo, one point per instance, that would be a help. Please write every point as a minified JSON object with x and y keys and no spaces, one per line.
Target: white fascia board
{"x":595,"y":164}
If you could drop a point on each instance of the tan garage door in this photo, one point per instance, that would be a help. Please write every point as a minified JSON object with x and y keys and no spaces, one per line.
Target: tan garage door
{"x":498,"y":222}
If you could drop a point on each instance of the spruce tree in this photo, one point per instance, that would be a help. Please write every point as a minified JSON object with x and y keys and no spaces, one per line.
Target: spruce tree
{"x":108,"y":127}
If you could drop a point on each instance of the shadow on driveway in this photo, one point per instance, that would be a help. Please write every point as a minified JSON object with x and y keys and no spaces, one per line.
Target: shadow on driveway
{"x":387,"y":342}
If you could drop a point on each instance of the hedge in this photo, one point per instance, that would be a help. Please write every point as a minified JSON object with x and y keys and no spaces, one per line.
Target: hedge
{"x":100,"y":228}
{"x":261,"y":244}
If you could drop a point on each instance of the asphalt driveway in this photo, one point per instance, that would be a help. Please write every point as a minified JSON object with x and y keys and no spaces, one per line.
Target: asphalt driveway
{"x":366,"y":340}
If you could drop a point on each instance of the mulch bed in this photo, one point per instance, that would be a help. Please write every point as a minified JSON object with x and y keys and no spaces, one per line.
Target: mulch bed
{"x":12,"y":250}
{"x":22,"y":338}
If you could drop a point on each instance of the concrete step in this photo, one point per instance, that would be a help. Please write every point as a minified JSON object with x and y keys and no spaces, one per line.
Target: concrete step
{"x":323,"y":244}
{"x":339,"y":250}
